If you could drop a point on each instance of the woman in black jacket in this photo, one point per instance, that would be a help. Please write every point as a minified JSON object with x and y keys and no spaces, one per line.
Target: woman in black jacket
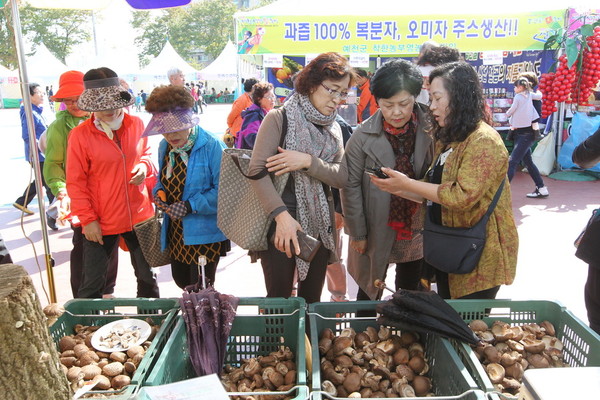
{"x":586,"y":155}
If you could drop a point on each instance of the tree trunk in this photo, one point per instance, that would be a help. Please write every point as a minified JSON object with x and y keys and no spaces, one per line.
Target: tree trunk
{"x":30,"y":367}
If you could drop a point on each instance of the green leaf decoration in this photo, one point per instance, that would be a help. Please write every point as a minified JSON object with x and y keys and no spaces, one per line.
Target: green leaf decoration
{"x":586,"y":30}
{"x":572,"y":51}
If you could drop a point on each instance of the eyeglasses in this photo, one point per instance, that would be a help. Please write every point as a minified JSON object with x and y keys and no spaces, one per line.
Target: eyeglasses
{"x":335,"y":94}
{"x":68,"y":102}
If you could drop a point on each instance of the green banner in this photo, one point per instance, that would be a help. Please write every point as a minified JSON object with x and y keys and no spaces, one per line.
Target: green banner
{"x":402,"y":34}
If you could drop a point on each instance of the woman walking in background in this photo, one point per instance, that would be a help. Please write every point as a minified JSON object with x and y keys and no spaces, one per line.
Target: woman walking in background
{"x":263,"y":101}
{"x":522,"y":114}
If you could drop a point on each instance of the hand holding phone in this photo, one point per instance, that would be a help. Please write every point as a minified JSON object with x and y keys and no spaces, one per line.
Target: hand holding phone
{"x":376,"y":171}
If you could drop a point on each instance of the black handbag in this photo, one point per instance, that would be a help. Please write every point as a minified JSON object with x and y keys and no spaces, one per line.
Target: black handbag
{"x":587,"y":241}
{"x":455,"y":250}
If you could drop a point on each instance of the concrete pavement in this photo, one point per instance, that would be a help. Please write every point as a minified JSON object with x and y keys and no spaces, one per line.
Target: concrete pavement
{"x":547,"y":268}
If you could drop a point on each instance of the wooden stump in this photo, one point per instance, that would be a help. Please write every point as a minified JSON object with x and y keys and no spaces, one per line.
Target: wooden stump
{"x":30,"y":367}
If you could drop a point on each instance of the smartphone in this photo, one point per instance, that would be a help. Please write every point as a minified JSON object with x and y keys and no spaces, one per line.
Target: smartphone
{"x":376,"y":171}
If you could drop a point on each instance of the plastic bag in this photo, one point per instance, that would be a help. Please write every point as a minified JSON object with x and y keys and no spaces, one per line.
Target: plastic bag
{"x":544,"y":154}
{"x":582,"y":127}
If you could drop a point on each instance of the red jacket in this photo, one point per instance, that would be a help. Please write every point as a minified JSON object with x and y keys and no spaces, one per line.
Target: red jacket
{"x":98,"y":175}
{"x":367,"y":105}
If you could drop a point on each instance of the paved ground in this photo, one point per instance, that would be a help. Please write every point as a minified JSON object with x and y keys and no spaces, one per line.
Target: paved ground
{"x":547,"y":267}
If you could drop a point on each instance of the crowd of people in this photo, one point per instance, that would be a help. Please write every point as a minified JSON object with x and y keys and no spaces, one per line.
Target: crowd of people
{"x":408,"y":154}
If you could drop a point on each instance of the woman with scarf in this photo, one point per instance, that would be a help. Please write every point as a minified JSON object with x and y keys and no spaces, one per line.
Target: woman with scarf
{"x":263,"y":101}
{"x":311,"y":158}
{"x":107,"y":164}
{"x":189,"y":165}
{"x":383,"y":228}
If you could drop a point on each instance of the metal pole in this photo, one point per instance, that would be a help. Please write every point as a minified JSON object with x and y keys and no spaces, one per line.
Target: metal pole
{"x":32,"y":141}
{"x":94,"y":33}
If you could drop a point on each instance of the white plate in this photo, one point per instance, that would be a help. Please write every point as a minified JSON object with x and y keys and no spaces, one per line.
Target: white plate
{"x":128,"y":323}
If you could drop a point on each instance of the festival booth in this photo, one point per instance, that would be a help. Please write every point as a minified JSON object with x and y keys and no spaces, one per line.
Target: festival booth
{"x":10,"y":92}
{"x":221,"y":74}
{"x":500,"y":41}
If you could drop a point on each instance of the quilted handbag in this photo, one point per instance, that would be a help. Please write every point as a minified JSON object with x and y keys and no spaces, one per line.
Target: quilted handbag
{"x":148,"y":235}
{"x":240,"y":214}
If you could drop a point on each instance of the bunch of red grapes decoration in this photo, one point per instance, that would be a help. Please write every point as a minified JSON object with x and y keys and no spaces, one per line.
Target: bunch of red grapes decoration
{"x":568,"y":84}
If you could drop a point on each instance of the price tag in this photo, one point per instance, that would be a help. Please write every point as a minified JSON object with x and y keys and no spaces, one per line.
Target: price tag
{"x":273,"y":60}
{"x":359,"y":60}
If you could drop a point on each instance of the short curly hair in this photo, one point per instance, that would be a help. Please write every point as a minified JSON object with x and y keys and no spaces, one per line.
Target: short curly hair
{"x":325,"y":66}
{"x":259,"y":90}
{"x":168,"y":98}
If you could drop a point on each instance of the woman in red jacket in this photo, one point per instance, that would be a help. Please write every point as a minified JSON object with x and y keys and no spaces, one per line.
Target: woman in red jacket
{"x":107,"y":162}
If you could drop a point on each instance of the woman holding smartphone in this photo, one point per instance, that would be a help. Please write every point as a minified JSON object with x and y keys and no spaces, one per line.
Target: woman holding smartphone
{"x":384,"y":228}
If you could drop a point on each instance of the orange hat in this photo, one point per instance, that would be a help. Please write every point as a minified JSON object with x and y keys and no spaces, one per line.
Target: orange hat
{"x":69,"y":85}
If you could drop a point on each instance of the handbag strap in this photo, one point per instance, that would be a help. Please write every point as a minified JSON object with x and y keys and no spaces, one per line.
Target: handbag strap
{"x":495,"y":200}
{"x":264,"y":172}
{"x":489,"y":210}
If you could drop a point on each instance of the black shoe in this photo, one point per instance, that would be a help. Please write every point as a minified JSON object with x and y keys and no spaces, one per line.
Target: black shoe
{"x":52,"y":223}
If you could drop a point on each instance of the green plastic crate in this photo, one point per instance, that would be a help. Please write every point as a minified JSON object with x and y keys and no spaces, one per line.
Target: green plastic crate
{"x":581,"y":344}
{"x":449,"y":376}
{"x":99,"y":312}
{"x":269,"y":324}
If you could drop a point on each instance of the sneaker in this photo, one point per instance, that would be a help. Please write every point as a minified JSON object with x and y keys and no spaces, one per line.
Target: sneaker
{"x":23,"y":208}
{"x":539,"y":193}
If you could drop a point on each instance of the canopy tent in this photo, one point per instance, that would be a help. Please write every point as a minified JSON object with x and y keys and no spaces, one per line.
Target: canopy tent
{"x":223,"y":67}
{"x":5,"y":72}
{"x":44,"y":66}
{"x":167,"y":59}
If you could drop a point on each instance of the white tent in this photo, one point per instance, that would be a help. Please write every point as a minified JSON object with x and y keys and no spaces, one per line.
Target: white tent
{"x":167,"y":59}
{"x":223,"y":67}
{"x":5,"y":72}
{"x":44,"y":66}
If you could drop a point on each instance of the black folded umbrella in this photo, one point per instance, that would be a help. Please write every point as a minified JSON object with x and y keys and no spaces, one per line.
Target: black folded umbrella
{"x":425,"y":312}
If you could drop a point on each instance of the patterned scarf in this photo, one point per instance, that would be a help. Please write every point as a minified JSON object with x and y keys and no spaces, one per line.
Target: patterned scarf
{"x":302,"y":135}
{"x":182,"y":152}
{"x":402,"y":141}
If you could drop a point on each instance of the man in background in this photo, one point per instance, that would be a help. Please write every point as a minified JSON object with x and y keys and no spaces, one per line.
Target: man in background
{"x":367,"y":104}
{"x":176,"y":77}
{"x":36,"y":95}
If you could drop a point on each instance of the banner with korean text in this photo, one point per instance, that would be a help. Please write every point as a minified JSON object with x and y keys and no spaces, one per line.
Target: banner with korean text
{"x":394,"y":34}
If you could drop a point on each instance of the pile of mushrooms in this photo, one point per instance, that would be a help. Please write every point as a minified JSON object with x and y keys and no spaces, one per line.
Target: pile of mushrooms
{"x":274,"y":372}
{"x":507,"y":351}
{"x":373,"y":363}
{"x":112,"y":371}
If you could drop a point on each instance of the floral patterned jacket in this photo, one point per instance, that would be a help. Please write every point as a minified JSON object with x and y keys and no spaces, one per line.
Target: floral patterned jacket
{"x":472,"y":174}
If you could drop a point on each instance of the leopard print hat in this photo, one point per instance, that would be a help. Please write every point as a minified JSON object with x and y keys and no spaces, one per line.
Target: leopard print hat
{"x":104,"y":95}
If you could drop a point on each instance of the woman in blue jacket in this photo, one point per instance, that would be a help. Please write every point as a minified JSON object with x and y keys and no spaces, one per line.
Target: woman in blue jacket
{"x":189,"y":165}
